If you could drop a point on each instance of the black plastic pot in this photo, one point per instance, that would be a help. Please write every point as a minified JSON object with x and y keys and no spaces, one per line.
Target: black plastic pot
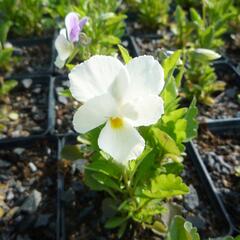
{"x":38,"y":143}
{"x":45,"y":82}
{"x":32,"y":42}
{"x":219,"y":128}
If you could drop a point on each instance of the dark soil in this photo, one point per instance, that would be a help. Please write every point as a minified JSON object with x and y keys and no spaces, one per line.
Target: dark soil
{"x":153,"y":45}
{"x":221,"y":156}
{"x":28,"y":192}
{"x":197,"y":207}
{"x":65,"y":107}
{"x":29,"y":106}
{"x":32,"y":58}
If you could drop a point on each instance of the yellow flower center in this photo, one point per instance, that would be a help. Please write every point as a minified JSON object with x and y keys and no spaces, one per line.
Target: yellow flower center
{"x":116,"y":122}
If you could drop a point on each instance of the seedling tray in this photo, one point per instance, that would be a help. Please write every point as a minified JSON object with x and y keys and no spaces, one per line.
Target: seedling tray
{"x":222,"y":129}
{"x":38,"y":111}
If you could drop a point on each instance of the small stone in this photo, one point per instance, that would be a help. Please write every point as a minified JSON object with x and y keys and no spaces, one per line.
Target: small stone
{"x":13,"y":116}
{"x":32,"y":202}
{"x":4,"y":164}
{"x":62,"y":100}
{"x":27,"y":82}
{"x":42,"y":221}
{"x":191,"y":200}
{"x":197,"y":221}
{"x":37,"y":90}
{"x":68,"y":196}
{"x":10,"y":196}
{"x":18,"y":151}
{"x":2,"y":212}
{"x":32,"y":167}
{"x":78,"y":165}
{"x":11,"y":213}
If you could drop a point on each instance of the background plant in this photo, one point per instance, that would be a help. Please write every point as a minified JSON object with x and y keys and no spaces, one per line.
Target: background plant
{"x":104,"y":29}
{"x":204,"y":29}
{"x":153,"y":13}
{"x":27,"y":17}
{"x":200,"y":78}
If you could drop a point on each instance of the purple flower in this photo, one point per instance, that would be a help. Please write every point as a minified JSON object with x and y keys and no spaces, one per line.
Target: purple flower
{"x":74,"y":26}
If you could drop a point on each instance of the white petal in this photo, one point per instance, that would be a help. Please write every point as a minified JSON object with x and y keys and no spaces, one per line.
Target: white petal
{"x":148,"y":108}
{"x":123,"y":144}
{"x":63,"y":32}
{"x":146,"y":76}
{"x":119,"y":86}
{"x":59,"y":63}
{"x":93,"y":77}
{"x":64,"y":47}
{"x":93,"y":113}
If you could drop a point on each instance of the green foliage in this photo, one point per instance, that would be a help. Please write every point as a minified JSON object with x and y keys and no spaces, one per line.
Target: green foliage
{"x":153,"y":13}
{"x":27,"y":17}
{"x":6,"y":87}
{"x":200,"y":79}
{"x":182,"y":230}
{"x":205,"y":29}
{"x":124,"y":53}
{"x":166,"y":186}
{"x":104,"y":29}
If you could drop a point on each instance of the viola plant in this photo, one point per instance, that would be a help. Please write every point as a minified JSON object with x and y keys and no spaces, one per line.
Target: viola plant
{"x":153,"y":13}
{"x":200,"y":77}
{"x":103,"y":30}
{"x":68,"y":40}
{"x":135,"y":131}
{"x":27,"y":17}
{"x":204,"y":30}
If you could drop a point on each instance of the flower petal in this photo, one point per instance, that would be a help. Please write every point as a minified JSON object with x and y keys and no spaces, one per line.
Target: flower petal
{"x":59,"y":63}
{"x":148,"y":108}
{"x":83,"y":22}
{"x":119,"y":86}
{"x":146,"y":75}
{"x":123,"y":144}
{"x":94,"y":113}
{"x":63,"y":47}
{"x":93,"y":77}
{"x":72,"y":26}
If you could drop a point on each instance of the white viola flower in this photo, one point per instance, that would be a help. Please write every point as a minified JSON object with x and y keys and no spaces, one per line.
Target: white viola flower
{"x":122,"y":96}
{"x":64,"y":43}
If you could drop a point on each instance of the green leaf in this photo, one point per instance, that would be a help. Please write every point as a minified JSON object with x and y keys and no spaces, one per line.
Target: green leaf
{"x":182,"y":230}
{"x":4,"y":29}
{"x":174,"y":168}
{"x":191,"y":118}
{"x":196,"y":17}
{"x":106,"y":167}
{"x":170,"y":63}
{"x":71,"y":152}
{"x":7,"y":86}
{"x":164,"y":142}
{"x":165,"y":186}
{"x":115,"y":222}
{"x":144,"y":167}
{"x":124,"y":53}
{"x":106,"y":181}
{"x":65,"y":93}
